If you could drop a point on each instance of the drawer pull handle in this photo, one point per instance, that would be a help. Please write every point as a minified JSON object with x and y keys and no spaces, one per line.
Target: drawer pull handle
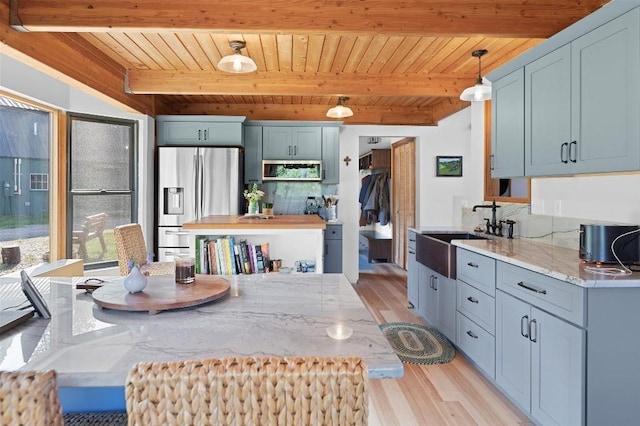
{"x":472,"y":299}
{"x":473,"y":265}
{"x":532,"y":288}
{"x":524,"y":324}
{"x":411,"y":252}
{"x":472,"y":334}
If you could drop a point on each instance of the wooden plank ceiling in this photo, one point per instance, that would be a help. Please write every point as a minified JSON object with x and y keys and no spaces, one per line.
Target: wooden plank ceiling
{"x":399,"y":62}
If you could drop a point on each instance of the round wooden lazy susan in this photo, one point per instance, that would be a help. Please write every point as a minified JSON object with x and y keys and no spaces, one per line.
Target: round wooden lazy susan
{"x":161,"y":293}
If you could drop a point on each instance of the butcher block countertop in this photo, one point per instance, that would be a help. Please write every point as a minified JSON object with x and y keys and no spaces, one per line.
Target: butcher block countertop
{"x":293,"y":221}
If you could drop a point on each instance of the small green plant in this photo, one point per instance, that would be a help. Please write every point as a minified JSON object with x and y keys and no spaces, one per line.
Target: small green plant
{"x":267,"y":205}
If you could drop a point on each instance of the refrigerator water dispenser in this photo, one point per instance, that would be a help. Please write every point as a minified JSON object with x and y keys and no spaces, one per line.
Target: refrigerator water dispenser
{"x":174,"y":200}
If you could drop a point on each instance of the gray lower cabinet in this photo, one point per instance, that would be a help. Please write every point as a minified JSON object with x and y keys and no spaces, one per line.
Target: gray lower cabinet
{"x":475,"y":308}
{"x":437,"y":301}
{"x":333,"y":248}
{"x":253,"y":154}
{"x":540,"y":344}
{"x":539,"y":361}
{"x":413,"y":273}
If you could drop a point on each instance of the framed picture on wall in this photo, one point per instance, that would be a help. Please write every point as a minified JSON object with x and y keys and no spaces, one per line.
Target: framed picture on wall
{"x":450,"y":166}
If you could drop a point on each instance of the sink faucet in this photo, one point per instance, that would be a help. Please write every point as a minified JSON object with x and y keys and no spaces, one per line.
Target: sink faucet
{"x":494,"y":222}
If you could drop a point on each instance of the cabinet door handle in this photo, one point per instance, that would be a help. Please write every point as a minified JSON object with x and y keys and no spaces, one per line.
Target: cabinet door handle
{"x":295,"y":150}
{"x":205,"y":134}
{"x":411,"y":252}
{"x":435,"y":283}
{"x":289,"y":150}
{"x":472,"y":299}
{"x":431,"y":281}
{"x":563,"y":151}
{"x":533,"y":327}
{"x":532,"y":288}
{"x":573,"y":153}
{"x":524,"y":324}
{"x":326,"y":249}
{"x":492,"y":162}
{"x":472,"y":334}
{"x":473,"y":265}
{"x":199,"y":135}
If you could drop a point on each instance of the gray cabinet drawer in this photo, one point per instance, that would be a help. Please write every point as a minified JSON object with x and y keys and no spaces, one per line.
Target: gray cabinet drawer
{"x":412,"y":240}
{"x":477,"y":344}
{"x":478,"y":306}
{"x":557,"y":297}
{"x":476,"y":270}
{"x":333,"y":232}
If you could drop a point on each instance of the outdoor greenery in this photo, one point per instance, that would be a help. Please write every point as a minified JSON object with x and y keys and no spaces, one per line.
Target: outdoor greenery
{"x":94,"y":249}
{"x":14,"y":221}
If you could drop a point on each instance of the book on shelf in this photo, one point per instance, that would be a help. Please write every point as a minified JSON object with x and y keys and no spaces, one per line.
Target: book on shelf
{"x":226,"y":256}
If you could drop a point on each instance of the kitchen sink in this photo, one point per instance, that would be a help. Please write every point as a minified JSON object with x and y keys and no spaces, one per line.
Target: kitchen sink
{"x":435,"y":250}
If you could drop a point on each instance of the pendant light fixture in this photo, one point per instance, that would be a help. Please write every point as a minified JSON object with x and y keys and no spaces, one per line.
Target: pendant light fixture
{"x":340,"y":111}
{"x":481,"y":91}
{"x":237,"y":63}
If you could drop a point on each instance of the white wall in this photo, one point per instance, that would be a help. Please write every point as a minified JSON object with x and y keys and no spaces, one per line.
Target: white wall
{"x":612,"y":198}
{"x":22,"y":80}
{"x":438,"y":199}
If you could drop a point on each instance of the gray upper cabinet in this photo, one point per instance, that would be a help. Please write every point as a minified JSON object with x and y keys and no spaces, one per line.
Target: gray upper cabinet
{"x":581,"y":103}
{"x":507,"y":123}
{"x":253,"y":154}
{"x":199,"y":130}
{"x":330,"y":155}
{"x":605,"y":105}
{"x":292,"y":143}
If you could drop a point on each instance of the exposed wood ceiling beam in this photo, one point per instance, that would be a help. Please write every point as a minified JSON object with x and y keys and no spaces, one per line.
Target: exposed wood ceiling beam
{"x":71,"y":59}
{"x":361,"y":115}
{"x":516,"y":18}
{"x":292,"y":84}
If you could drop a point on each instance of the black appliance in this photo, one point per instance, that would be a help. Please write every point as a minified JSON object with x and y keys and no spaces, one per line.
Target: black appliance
{"x":595,"y":243}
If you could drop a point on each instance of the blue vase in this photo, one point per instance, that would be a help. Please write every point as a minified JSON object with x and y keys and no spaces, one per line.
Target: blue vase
{"x":135,"y":281}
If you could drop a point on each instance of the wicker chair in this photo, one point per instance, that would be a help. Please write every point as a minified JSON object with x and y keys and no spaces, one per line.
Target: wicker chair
{"x":130,"y":246}
{"x":29,"y":398}
{"x":249,"y":391}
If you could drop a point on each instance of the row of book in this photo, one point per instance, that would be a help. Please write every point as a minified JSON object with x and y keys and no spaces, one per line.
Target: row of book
{"x":226,"y":256}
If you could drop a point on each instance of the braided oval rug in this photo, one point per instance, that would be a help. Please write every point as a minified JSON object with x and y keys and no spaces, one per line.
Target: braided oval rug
{"x":417,"y":344}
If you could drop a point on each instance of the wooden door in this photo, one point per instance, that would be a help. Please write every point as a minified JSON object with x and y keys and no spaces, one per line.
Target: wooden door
{"x":403,"y":195}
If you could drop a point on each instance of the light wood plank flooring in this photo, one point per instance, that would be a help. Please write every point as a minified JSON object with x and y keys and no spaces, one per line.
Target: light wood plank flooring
{"x":448,"y":394}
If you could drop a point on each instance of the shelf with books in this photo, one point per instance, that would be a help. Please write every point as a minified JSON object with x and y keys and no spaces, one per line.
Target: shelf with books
{"x":244,"y":251}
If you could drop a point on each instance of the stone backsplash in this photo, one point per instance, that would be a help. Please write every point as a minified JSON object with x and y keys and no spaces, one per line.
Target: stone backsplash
{"x":291,"y":197}
{"x":554,"y":230}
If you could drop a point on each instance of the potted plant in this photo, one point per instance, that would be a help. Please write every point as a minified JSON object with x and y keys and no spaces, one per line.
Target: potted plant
{"x":253,"y":197}
{"x":267,"y":209}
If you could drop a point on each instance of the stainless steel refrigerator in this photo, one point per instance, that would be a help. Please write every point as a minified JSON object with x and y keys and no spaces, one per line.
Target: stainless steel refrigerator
{"x":194,"y":182}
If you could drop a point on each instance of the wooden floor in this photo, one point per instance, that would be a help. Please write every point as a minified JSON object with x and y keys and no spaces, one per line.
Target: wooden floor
{"x":447,"y":394}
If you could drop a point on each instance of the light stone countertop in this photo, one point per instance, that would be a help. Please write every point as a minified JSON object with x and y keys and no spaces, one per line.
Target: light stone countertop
{"x":554,"y":261}
{"x":557,"y":262}
{"x":264,"y":314}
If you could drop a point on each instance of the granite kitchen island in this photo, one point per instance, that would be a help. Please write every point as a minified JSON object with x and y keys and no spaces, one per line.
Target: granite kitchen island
{"x":290,"y":237}
{"x":263,"y":315}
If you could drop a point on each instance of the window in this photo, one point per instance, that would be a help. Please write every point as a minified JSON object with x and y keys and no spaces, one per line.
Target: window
{"x":25,"y":146}
{"x":39,"y":181}
{"x":101,"y":186}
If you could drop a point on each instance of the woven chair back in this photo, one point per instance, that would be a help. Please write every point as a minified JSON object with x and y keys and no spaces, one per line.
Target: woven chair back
{"x":29,"y":398}
{"x":129,"y":246}
{"x":249,"y":391}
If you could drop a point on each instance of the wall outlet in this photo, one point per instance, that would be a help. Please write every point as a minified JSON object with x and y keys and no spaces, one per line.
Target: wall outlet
{"x":557,"y":208}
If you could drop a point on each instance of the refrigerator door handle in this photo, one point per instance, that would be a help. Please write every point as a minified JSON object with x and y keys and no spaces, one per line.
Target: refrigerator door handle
{"x":196,"y":183}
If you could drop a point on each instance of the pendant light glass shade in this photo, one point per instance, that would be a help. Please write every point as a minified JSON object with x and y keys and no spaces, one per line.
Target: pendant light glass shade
{"x":237,"y":63}
{"x":481,"y":91}
{"x":340,"y":111}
